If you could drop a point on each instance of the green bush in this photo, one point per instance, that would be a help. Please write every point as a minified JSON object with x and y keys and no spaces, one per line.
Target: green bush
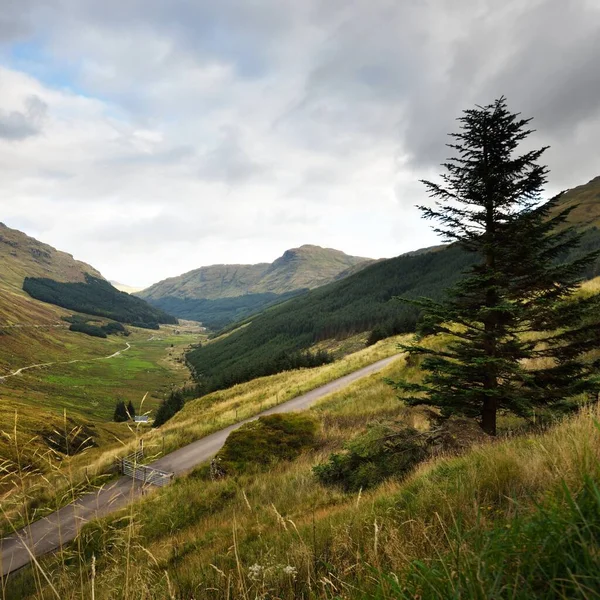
{"x":383,"y":451}
{"x":267,"y":440}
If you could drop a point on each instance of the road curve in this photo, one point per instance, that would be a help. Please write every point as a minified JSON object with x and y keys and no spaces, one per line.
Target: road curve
{"x":62,"y":526}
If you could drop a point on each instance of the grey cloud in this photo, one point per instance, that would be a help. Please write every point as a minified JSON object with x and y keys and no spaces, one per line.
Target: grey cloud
{"x":228,"y":161}
{"x":19,"y":125}
{"x":542,"y":57}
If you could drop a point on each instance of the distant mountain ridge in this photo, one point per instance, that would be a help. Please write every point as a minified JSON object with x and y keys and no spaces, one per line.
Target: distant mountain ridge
{"x":220,"y":294}
{"x":305,"y":267}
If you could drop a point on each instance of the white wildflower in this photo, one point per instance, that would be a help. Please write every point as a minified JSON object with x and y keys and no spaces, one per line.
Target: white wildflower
{"x":255,"y":572}
{"x":291,"y":571}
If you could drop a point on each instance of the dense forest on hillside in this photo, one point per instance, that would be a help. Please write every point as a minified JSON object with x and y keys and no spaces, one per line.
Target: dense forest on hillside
{"x":362,"y":302}
{"x":218,"y":313}
{"x":97,"y":297}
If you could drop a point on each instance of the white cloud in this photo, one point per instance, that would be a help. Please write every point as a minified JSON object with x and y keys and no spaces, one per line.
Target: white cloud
{"x":150,"y":137}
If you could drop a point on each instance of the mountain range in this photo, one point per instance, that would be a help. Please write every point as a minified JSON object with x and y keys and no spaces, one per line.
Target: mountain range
{"x":220,"y":294}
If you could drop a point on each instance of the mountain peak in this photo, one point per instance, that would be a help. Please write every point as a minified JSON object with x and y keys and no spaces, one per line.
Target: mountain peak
{"x":307,"y":266}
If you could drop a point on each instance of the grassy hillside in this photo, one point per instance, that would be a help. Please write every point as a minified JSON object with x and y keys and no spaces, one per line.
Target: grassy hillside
{"x":586,"y":199}
{"x":362,"y":302}
{"x":145,"y":368}
{"x":514,"y":519}
{"x":34,"y":332}
{"x":23,"y":256}
{"x":220,"y":294}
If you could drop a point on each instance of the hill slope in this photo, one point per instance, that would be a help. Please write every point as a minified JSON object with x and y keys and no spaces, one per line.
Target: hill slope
{"x":359,"y":303}
{"x":219,"y":294}
{"x":23,"y":256}
{"x":586,"y":200}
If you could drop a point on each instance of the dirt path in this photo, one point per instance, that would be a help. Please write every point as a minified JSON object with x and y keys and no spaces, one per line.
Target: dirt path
{"x":64,"y":362}
{"x":62,"y":526}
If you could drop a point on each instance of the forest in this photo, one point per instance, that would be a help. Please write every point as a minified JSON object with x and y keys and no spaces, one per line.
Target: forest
{"x":218,"y":313}
{"x":97,"y":297}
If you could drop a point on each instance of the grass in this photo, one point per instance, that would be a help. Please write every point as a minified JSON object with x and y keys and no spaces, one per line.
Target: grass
{"x":75,"y":402}
{"x":481,"y":525}
{"x":198,"y":419}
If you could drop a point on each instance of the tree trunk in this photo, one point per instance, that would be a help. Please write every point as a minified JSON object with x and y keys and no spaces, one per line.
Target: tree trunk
{"x":488,"y":416}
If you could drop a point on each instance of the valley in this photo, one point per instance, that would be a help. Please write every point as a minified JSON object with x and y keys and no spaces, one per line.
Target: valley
{"x":60,"y":383}
{"x":299,"y":300}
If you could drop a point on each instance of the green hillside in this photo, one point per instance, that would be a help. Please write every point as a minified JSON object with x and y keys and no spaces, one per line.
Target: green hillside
{"x":96,"y":296}
{"x":217,"y":314}
{"x":362,"y":302}
{"x":518,"y":519}
{"x":76,"y":377}
{"x":206,"y":294}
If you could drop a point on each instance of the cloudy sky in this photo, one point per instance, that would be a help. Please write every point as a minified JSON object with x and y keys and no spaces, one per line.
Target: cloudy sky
{"x":150,"y":137}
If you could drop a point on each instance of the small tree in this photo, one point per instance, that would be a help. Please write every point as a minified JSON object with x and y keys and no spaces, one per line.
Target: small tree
{"x":120,"y":414}
{"x":130,"y":411}
{"x":518,"y":339}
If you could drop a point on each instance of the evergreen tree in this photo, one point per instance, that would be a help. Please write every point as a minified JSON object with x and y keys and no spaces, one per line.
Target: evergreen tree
{"x":131,"y":411}
{"x":518,"y":339}
{"x":172,"y":404}
{"x":120,"y":415}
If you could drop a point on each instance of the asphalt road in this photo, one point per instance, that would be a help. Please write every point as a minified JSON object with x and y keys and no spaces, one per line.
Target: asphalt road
{"x":62,"y":526}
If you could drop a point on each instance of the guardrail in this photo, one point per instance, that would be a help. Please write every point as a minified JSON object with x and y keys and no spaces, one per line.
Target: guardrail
{"x":149,"y":475}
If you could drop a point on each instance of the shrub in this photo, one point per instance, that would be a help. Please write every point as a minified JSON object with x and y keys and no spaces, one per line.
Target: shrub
{"x":383,"y":451}
{"x":266,"y":441}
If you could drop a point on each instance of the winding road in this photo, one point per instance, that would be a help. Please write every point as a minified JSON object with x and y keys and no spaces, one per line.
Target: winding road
{"x":62,"y":526}
{"x":64,"y":362}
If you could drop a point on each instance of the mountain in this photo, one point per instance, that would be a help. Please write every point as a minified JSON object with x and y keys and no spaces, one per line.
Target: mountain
{"x":219,"y":294}
{"x":28,"y":266}
{"x":23,"y":256}
{"x":122,"y":287}
{"x":586,"y":200}
{"x":362,"y":302}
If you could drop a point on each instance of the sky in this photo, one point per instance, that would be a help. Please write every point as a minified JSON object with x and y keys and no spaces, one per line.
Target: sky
{"x":152,"y":137}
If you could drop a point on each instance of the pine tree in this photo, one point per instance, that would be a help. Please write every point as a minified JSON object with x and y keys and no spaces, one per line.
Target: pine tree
{"x":120,"y":414}
{"x":172,"y":404}
{"x":518,"y":339}
{"x":131,"y":411}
